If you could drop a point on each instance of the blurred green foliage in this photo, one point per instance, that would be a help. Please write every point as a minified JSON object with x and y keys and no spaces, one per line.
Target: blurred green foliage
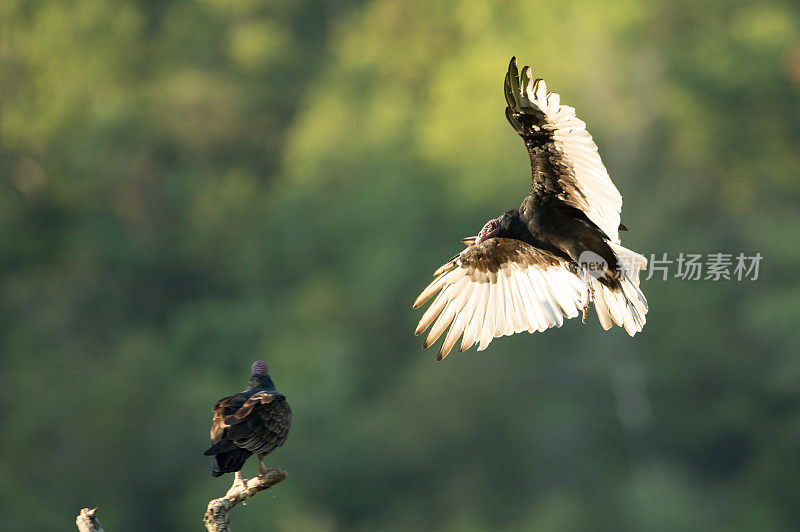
{"x":188,"y":186}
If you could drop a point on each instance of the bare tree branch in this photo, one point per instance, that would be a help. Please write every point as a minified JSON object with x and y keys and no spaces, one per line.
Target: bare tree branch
{"x":217,"y":519}
{"x":87,"y":522}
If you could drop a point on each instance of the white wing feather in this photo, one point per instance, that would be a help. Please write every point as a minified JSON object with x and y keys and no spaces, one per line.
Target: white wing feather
{"x":479,"y":306}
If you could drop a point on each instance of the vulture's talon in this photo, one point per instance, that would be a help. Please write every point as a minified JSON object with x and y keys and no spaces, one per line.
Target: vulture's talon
{"x":587,"y":300}
{"x":238,"y":482}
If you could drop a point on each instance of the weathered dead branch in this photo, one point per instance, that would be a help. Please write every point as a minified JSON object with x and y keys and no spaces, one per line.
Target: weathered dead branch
{"x":217,"y":518}
{"x":87,"y":522}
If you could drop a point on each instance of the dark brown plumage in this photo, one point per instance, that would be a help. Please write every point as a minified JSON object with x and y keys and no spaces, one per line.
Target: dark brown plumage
{"x":254,"y":421}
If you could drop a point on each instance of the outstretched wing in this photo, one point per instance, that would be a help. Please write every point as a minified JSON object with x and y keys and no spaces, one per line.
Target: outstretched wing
{"x":259,"y":423}
{"x":498,"y":287}
{"x":564,"y":158}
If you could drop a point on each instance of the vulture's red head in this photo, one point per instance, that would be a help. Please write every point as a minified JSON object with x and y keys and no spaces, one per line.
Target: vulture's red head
{"x":260,"y":368}
{"x":489,"y":230}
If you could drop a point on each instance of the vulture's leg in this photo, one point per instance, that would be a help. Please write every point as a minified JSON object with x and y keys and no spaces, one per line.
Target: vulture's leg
{"x":261,"y":467}
{"x":588,"y":297}
{"x":238,"y":482}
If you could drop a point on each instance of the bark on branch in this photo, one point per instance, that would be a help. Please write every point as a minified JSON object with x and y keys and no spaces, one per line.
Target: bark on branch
{"x":217,"y":519}
{"x":87,"y":522}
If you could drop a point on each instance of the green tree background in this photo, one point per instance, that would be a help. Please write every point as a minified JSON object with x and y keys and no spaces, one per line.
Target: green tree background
{"x":187,"y":186}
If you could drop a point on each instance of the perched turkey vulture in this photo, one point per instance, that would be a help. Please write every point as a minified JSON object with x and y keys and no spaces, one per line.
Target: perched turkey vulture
{"x":552,"y":256}
{"x":254,"y":421}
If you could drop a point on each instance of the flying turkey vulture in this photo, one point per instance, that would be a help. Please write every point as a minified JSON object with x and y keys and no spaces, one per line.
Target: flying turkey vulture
{"x":552,"y":256}
{"x":254,"y":421}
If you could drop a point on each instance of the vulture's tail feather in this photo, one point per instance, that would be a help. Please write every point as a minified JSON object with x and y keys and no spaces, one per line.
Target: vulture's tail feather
{"x":228,"y":462}
{"x":624,"y":305}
